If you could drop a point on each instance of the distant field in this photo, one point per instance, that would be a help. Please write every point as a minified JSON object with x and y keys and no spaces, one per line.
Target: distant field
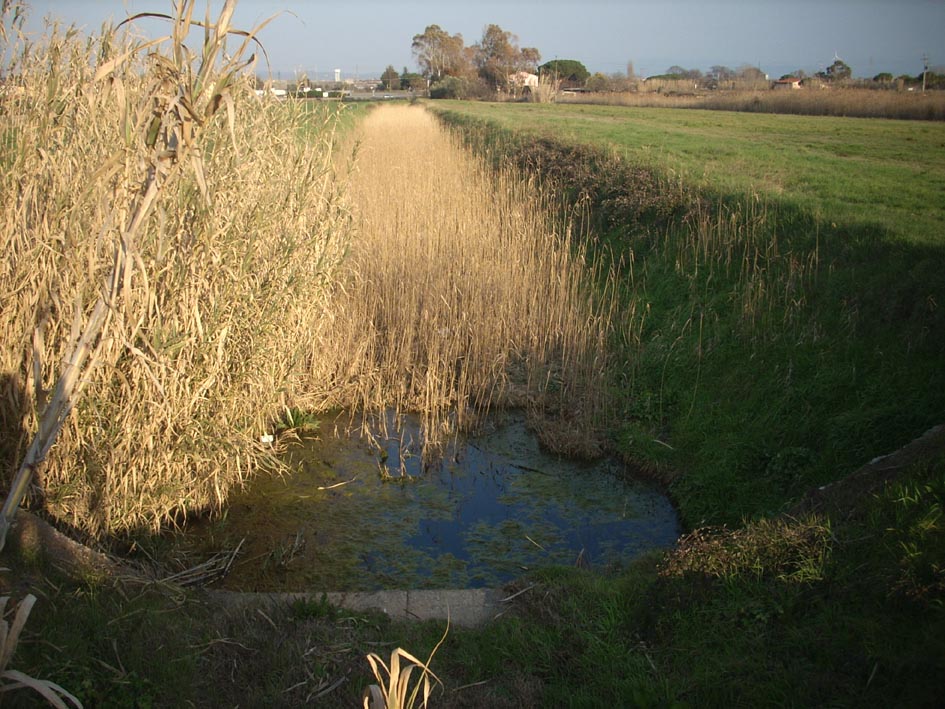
{"x":887,"y":173}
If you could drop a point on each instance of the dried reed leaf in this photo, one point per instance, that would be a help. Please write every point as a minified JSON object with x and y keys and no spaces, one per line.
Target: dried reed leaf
{"x":50,"y":691}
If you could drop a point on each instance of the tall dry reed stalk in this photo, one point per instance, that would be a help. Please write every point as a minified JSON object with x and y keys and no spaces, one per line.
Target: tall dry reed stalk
{"x":167,"y":242}
{"x":461,"y":294}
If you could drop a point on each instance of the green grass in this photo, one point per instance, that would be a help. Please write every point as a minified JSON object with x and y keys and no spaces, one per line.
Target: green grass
{"x":873,"y":172}
{"x":781,"y":338}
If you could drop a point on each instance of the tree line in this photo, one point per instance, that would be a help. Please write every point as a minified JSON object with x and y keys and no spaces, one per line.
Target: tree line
{"x":450,"y":68}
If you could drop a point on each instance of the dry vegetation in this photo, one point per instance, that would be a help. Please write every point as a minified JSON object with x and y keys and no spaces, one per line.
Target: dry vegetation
{"x":460,"y":293}
{"x":172,"y":277}
{"x":167,"y":239}
{"x":863,"y":103}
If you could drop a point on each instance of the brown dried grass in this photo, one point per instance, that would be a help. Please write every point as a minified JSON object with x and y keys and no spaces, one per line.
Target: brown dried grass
{"x":852,"y":102}
{"x":210,"y":291}
{"x":462,"y":294}
{"x":172,"y":251}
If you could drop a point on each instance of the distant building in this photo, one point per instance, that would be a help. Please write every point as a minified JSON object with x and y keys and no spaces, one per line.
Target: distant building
{"x":789,"y":82}
{"x":523,"y":79}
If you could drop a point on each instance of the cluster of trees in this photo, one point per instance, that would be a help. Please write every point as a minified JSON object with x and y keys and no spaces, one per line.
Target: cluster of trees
{"x":715,"y":76}
{"x":406,"y":80}
{"x":456,"y":70}
{"x":451,"y":69}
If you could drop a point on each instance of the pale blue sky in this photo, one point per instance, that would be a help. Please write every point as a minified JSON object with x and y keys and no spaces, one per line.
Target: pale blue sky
{"x":779,"y":36}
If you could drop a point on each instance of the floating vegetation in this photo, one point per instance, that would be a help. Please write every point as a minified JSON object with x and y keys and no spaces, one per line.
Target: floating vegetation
{"x":492,"y":507}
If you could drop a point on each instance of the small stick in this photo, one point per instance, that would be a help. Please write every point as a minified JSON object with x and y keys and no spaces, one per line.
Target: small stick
{"x":332,"y":487}
{"x":534,"y":542}
{"x":518,"y":593}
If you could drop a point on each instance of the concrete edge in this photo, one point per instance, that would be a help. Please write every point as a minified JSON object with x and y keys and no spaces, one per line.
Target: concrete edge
{"x":467,"y":608}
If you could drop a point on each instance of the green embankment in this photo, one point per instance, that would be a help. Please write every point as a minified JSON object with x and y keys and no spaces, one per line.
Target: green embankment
{"x":786,"y":278}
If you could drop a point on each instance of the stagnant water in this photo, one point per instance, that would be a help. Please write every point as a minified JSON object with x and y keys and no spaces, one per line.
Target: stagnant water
{"x":493,"y":507}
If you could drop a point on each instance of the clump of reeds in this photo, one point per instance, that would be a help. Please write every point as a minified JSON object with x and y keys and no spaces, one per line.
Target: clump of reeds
{"x":461,"y":293}
{"x":167,"y":242}
{"x":738,"y":243}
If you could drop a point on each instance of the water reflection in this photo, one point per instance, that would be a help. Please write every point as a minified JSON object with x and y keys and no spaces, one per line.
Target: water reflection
{"x":491,"y":507}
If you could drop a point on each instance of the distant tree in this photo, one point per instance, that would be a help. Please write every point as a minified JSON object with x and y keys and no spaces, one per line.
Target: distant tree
{"x":884,"y":77}
{"x":838,"y":71}
{"x":570,"y":72}
{"x":498,"y":56}
{"x":676,"y":70}
{"x":390,"y":78}
{"x":599,"y":82}
{"x":530,"y":57}
{"x":439,"y":53}
{"x":450,"y":87}
{"x":411,"y":81}
{"x":720,"y":72}
{"x":750,"y":73}
{"x":630,"y":73}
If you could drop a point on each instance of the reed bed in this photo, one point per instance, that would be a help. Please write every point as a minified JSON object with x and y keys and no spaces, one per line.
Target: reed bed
{"x":858,"y":103}
{"x":168,"y":241}
{"x":462,"y":294}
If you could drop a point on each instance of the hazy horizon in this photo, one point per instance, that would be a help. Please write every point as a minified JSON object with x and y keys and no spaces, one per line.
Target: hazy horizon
{"x":363,"y":37}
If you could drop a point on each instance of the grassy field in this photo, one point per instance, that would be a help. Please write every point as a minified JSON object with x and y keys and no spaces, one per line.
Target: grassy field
{"x":786,"y":333}
{"x":867,"y":172}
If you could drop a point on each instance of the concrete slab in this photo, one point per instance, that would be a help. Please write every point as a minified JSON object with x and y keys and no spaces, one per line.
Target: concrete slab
{"x":464,"y":607}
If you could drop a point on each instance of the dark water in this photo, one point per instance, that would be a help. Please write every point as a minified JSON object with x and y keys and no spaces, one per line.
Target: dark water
{"x":492,"y":507}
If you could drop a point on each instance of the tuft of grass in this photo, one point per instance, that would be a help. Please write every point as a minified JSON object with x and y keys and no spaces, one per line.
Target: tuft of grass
{"x":9,"y":638}
{"x":395,"y":692}
{"x":789,"y":549}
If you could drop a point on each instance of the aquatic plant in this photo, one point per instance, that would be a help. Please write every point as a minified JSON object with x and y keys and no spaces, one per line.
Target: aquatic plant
{"x":463,"y":292}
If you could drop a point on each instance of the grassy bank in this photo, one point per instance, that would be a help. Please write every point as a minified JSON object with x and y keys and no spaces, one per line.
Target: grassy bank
{"x":784,"y":335}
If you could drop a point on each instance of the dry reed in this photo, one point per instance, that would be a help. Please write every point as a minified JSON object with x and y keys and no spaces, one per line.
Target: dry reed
{"x":861,"y":103}
{"x":172,"y":248}
{"x":461,"y":294}
{"x":209,"y":291}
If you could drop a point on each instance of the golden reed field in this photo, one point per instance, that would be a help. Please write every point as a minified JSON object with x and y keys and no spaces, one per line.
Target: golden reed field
{"x":460,"y":293}
{"x":183,"y":262}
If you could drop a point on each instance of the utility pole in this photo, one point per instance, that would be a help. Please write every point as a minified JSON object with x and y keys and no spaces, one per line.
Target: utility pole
{"x":925,"y":69}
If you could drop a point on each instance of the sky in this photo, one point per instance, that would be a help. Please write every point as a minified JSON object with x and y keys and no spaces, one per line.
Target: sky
{"x":362,"y":37}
